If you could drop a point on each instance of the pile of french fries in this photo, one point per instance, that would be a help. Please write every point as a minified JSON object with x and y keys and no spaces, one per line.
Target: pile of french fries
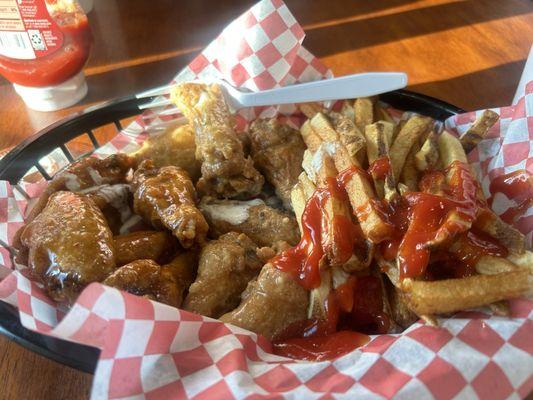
{"x":354,"y":138}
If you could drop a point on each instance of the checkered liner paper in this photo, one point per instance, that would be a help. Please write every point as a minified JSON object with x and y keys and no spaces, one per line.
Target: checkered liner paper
{"x":150,"y":350}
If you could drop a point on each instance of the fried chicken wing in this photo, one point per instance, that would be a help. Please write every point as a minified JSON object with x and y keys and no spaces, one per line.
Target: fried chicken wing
{"x":70,"y":245}
{"x":225,"y":267}
{"x":263,"y":224}
{"x":270,"y":304}
{"x":146,"y":278}
{"x":226,"y":172}
{"x":165,"y":197}
{"x":277,"y":151}
{"x":175,"y":146}
{"x":86,"y":173}
{"x":149,"y":245}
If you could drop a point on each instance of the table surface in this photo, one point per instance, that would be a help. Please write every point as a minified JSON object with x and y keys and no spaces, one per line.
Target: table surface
{"x":468,"y":53}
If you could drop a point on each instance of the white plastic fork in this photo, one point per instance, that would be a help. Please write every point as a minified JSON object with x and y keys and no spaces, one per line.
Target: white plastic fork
{"x":344,"y":87}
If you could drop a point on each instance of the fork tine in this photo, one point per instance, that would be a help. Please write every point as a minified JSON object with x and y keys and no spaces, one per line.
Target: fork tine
{"x":158,"y":91}
{"x":170,"y":111}
{"x":155,"y":104}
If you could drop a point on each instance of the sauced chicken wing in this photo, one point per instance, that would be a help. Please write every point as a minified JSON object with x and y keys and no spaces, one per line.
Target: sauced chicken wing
{"x":146,"y":278}
{"x":86,"y":173}
{"x":165,"y":197}
{"x":270,"y":304}
{"x":225,"y":267}
{"x":70,"y":245}
{"x":226,"y":172}
{"x":151,"y":245}
{"x":277,"y":151}
{"x":175,"y":146}
{"x":263,"y":224}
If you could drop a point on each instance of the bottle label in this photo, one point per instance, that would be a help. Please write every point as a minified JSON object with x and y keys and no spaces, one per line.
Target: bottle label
{"x":27,"y":31}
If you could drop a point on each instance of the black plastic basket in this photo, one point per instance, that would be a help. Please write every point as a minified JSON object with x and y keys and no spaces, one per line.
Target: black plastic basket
{"x":27,"y":154}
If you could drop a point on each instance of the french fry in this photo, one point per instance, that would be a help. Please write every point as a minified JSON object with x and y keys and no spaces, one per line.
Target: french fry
{"x":378,"y":136}
{"x":319,"y":295}
{"x":349,"y":136}
{"x":491,"y":224}
{"x":311,"y":139}
{"x":377,"y":139}
{"x":437,"y":297}
{"x":322,"y":127}
{"x":361,"y":195}
{"x":490,"y":265}
{"x":299,"y":195}
{"x":428,"y":156}
{"x":409,"y":174}
{"x":364,"y":112}
{"x":380,"y":114}
{"x":409,"y":134}
{"x":298,"y":200}
{"x":399,"y":310}
{"x":450,"y":149}
{"x":478,"y":130}
{"x":308,"y":167}
{"x":524,"y":260}
{"x":310,"y":109}
{"x":348,"y":111}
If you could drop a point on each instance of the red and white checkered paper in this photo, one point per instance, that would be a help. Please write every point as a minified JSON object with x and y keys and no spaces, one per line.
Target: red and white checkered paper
{"x":153,"y":351}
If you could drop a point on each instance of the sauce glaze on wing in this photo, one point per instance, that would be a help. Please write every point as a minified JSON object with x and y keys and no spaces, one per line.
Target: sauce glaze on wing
{"x":70,"y":245}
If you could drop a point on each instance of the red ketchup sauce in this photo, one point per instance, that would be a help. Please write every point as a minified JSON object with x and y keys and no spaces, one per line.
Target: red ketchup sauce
{"x":427,"y":214}
{"x":380,"y":168}
{"x":354,"y":309}
{"x":460,"y":263}
{"x":58,"y":66}
{"x":355,"y":299}
{"x":303,"y":260}
{"x":517,"y":186}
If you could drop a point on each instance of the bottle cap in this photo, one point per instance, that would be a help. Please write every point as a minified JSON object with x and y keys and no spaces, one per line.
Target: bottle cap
{"x":51,"y":98}
{"x":87,"y":5}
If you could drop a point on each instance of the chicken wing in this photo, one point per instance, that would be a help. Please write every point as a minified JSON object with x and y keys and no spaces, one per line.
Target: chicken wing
{"x":149,"y":245}
{"x":263,"y":224}
{"x":165,"y":197}
{"x":70,"y":245}
{"x":225,"y":267}
{"x":86,"y":173}
{"x":175,"y":146}
{"x":277,"y":151}
{"x":270,"y":304}
{"x":146,"y":278}
{"x":226,"y":172}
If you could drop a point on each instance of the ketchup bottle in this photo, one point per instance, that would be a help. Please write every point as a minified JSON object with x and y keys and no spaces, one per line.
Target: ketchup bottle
{"x":44,"y":45}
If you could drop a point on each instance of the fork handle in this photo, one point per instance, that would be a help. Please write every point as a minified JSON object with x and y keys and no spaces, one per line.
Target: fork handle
{"x":345,"y":87}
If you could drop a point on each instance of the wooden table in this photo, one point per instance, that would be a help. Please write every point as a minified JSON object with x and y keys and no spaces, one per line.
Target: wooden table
{"x":469,"y":53}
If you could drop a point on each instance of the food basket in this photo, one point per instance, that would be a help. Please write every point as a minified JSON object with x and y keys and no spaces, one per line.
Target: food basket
{"x":25,"y":156}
